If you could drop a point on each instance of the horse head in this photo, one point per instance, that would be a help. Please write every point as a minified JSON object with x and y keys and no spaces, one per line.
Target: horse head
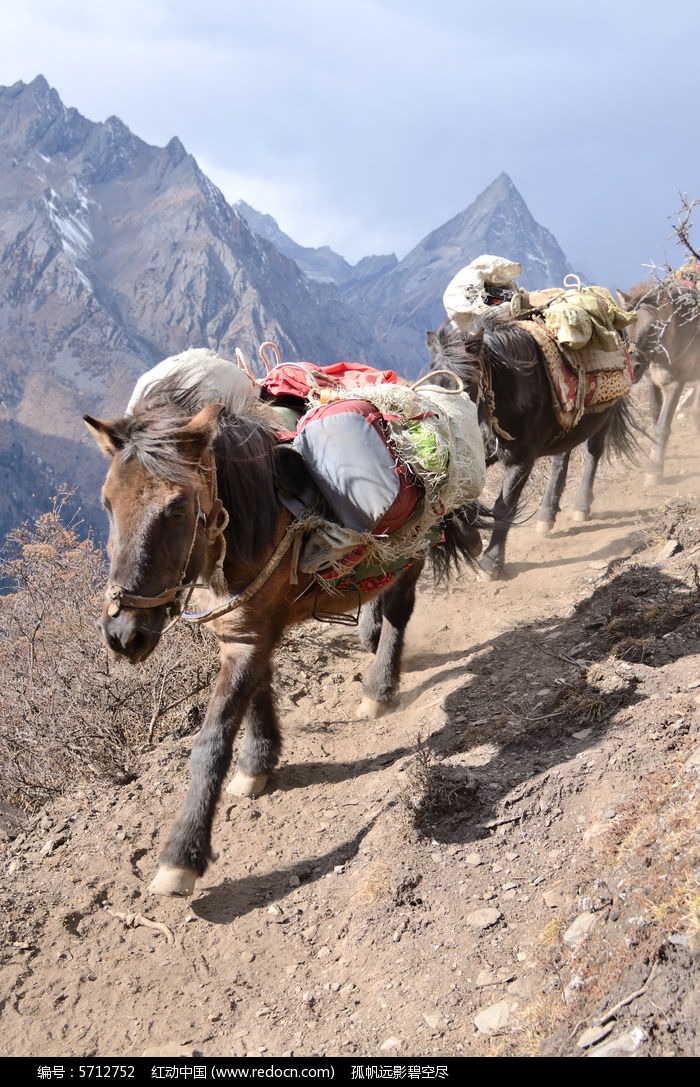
{"x":459,"y":352}
{"x":164,"y":517}
{"x":667,"y":314}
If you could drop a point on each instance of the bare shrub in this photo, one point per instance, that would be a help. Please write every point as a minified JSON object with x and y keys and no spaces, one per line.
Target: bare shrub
{"x":432,"y":789}
{"x":70,"y":713}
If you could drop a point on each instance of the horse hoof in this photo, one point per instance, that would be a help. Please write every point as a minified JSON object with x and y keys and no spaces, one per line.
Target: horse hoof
{"x":580,"y":515}
{"x":173,"y":882}
{"x":653,"y":479}
{"x":369,"y":709}
{"x":543,"y":528}
{"x":246,"y":784}
{"x":489,"y":573}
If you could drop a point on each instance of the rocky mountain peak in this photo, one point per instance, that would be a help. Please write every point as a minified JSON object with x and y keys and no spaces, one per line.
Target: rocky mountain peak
{"x":405,"y":301}
{"x":33,"y":118}
{"x":321,"y":264}
{"x":115,"y":254}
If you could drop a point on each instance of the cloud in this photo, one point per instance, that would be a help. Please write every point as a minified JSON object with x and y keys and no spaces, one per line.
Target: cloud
{"x":368,"y":125}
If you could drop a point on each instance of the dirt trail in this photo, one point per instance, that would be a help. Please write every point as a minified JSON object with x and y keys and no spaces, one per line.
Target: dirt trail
{"x":487,"y":870}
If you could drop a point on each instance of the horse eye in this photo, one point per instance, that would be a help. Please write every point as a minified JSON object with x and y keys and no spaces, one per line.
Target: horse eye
{"x":176,"y":512}
{"x":107,"y":505}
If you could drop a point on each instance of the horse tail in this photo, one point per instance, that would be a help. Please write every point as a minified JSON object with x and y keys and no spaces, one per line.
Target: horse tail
{"x":622,"y":436}
{"x":460,"y":544}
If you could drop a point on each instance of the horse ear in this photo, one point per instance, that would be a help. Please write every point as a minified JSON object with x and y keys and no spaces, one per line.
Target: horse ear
{"x":431,"y":342}
{"x":624,"y":299}
{"x":104,"y":434}
{"x":476,"y":338}
{"x":201,"y":429}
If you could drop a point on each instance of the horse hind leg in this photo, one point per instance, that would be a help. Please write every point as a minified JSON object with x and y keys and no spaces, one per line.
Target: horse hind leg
{"x":370,"y":625}
{"x":584,"y":495}
{"x":550,"y":504}
{"x":382,"y":678}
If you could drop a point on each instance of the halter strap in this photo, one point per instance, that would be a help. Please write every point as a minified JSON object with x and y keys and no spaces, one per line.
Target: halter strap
{"x":215,"y":523}
{"x":119,"y":598}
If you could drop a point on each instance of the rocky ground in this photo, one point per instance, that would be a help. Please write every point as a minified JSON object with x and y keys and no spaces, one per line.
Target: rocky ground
{"x":507,"y":864}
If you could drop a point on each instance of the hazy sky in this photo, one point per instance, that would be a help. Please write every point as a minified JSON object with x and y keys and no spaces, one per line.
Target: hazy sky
{"x":367,"y":125}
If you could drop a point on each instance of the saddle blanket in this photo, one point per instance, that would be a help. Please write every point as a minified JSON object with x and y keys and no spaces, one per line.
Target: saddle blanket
{"x":578,"y":383}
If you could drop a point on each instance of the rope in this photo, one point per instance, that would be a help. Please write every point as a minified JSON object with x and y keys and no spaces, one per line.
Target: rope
{"x":243,"y":364}
{"x":262,"y":352}
{"x":238,"y":599}
{"x":459,"y":384}
{"x":490,"y":401}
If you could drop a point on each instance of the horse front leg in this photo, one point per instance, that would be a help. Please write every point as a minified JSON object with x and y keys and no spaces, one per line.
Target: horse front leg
{"x":695,"y":407}
{"x":655,"y":400}
{"x":670,"y":395}
{"x":551,"y":499}
{"x":262,"y":742}
{"x":187,"y":850}
{"x":505,"y":507}
{"x":396,"y":607}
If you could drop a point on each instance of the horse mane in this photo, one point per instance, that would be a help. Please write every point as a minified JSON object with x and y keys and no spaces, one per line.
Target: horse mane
{"x":490,"y":345}
{"x":150,"y":434}
{"x":507,"y":345}
{"x":243,"y":451}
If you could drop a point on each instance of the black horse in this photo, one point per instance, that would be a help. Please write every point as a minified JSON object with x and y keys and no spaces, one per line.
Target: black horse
{"x":502,"y":365}
{"x":666,"y":343}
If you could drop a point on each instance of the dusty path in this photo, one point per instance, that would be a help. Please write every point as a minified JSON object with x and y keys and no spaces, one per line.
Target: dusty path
{"x":385,"y":902}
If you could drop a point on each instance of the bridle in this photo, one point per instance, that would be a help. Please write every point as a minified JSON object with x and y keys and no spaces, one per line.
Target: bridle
{"x":214,"y":524}
{"x":177,"y":597}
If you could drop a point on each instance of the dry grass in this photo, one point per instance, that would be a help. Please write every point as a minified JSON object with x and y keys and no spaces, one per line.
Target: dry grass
{"x":539,"y":1020}
{"x":377,"y":884}
{"x":552,"y":933}
{"x":72,"y":714}
{"x":584,"y":700}
{"x":636,"y":650}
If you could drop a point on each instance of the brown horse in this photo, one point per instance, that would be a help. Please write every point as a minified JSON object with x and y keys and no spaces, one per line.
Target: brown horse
{"x":666,"y":342}
{"x":193,"y":498}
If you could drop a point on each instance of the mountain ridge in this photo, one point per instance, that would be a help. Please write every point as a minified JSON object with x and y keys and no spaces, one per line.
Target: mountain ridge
{"x":401,"y":299}
{"x":116,"y":254}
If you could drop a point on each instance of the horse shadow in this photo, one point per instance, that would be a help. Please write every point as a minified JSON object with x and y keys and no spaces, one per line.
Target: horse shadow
{"x":502,"y":694}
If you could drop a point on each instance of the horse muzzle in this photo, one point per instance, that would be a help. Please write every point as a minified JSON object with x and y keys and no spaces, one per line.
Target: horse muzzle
{"x":130,"y":627}
{"x":132,"y":635}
